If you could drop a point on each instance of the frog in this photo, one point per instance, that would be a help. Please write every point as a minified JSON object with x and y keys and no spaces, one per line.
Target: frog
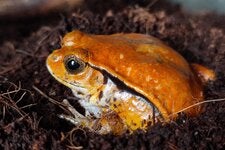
{"x":126,"y":81}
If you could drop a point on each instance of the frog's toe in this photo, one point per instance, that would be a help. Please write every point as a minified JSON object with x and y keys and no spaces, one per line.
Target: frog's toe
{"x":72,"y":110}
{"x":71,"y":119}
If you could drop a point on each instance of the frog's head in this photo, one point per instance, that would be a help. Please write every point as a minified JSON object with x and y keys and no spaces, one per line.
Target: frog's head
{"x":69,"y":65}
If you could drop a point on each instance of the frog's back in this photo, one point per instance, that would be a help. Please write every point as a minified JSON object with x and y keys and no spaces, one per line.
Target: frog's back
{"x":146,"y":65}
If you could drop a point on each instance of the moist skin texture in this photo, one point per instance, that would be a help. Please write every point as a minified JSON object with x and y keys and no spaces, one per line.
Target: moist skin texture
{"x":142,"y":63}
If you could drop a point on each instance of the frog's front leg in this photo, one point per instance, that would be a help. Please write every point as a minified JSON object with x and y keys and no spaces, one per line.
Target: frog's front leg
{"x":107,"y":121}
{"x":76,"y":118}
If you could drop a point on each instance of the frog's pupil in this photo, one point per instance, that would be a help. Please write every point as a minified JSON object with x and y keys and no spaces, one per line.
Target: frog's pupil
{"x":73,"y":65}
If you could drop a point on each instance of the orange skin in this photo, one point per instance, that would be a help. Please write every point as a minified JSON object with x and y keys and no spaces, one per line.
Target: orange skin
{"x":142,"y":62}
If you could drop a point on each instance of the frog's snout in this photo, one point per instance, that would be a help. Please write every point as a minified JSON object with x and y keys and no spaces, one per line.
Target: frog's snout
{"x":54,"y":57}
{"x":53,"y":61}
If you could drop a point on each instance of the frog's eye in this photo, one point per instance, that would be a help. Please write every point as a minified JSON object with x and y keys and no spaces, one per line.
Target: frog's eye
{"x":74,"y":65}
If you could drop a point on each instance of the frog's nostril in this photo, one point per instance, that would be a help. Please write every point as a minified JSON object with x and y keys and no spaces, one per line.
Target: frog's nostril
{"x":55,"y":58}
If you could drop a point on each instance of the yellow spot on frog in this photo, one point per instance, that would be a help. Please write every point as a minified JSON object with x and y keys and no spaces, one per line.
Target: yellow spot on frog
{"x":148,"y":78}
{"x":121,"y":56}
{"x":128,"y":71}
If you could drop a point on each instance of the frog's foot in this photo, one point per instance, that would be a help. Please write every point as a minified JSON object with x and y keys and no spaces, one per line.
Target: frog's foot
{"x":110,"y":122}
{"x":76,"y":118}
{"x":204,"y":73}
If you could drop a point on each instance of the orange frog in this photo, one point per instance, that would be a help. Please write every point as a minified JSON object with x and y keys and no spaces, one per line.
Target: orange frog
{"x":125,"y":81}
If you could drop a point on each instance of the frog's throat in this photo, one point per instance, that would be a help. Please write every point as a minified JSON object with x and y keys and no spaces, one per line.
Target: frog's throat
{"x":94,"y":102}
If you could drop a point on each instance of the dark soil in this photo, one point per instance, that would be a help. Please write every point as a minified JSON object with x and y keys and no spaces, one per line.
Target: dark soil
{"x":28,"y":120}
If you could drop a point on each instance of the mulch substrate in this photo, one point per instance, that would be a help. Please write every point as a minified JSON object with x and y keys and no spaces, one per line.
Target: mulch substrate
{"x":28,"y":118}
